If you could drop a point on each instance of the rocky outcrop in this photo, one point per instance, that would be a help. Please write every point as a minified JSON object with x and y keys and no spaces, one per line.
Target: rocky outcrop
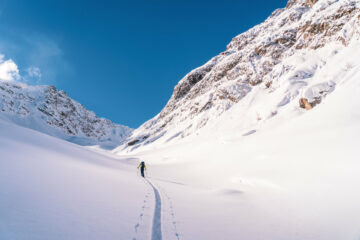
{"x":310,"y":3}
{"x":304,"y":103}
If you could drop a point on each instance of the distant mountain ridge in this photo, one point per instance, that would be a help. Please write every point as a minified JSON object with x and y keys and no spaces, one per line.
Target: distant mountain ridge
{"x":279,"y":62}
{"x":48,"y":110}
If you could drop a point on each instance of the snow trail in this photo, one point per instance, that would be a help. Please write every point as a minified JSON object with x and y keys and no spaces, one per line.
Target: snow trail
{"x":156,"y":227}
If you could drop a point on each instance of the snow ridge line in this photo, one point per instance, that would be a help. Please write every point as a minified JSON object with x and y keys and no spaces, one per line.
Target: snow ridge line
{"x":156,"y":227}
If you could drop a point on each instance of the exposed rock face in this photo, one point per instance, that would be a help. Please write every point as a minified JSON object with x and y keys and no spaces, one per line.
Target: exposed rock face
{"x":304,"y":103}
{"x":254,"y":60}
{"x":310,"y":3}
{"x":51,"y":111}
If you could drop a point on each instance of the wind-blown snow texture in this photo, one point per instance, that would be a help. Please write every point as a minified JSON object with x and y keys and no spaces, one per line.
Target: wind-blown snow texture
{"x":294,"y":54}
{"x":50,"y":111}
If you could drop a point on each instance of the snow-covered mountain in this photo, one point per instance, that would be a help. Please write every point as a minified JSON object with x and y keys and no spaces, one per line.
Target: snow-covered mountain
{"x":279,"y":68}
{"x":48,"y":110}
{"x":298,"y":180}
{"x":274,"y":158}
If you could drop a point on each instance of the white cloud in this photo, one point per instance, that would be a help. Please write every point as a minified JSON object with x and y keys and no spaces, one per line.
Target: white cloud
{"x":9,"y":71}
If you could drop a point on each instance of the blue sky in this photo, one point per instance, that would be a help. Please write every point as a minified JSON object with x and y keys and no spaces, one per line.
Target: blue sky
{"x":121,"y":59}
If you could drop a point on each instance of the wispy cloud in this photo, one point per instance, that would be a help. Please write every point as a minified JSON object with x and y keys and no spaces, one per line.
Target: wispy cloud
{"x":33,"y":75}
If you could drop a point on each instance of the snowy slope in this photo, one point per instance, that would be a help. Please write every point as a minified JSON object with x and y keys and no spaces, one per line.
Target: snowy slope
{"x":297,"y":178}
{"x":261,"y":167}
{"x":291,"y":56}
{"x":53,"y":189}
{"x":45,"y":109}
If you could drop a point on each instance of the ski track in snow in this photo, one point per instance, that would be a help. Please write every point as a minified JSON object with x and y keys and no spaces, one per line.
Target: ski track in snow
{"x":156,"y":227}
{"x":162,"y":200}
{"x":167,"y":181}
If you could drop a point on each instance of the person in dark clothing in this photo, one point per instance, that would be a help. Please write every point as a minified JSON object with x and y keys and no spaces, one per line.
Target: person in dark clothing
{"x":142,"y":168}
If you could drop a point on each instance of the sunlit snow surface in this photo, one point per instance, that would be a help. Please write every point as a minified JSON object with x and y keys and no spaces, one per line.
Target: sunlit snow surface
{"x":52,"y":189}
{"x":263,"y":169}
{"x":295,"y":178}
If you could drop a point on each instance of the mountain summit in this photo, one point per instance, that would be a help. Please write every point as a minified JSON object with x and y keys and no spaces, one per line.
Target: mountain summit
{"x":48,"y":110}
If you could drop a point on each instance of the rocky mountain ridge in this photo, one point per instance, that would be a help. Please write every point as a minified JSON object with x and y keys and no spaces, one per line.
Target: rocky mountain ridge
{"x":266,"y":58}
{"x":46,"y":109}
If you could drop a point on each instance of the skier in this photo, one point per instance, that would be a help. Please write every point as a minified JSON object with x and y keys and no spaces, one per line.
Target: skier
{"x":142,"y":168}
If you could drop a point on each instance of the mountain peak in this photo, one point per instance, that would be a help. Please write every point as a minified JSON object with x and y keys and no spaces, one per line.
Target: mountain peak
{"x":46,"y":109}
